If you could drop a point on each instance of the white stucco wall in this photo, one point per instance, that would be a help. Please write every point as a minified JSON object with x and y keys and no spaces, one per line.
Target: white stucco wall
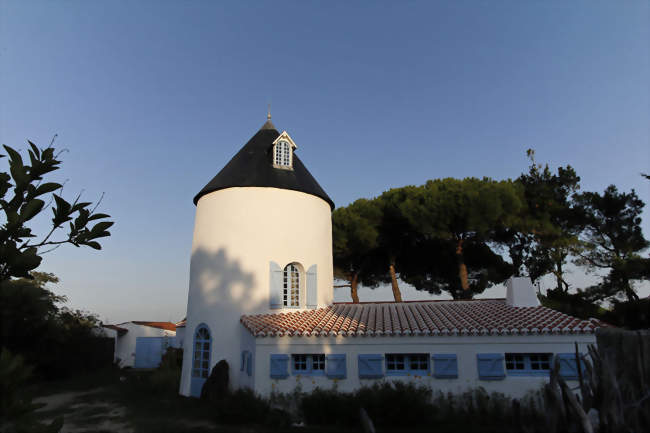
{"x":237,"y":233}
{"x":125,"y":344}
{"x":180,"y":337}
{"x":465,"y":347}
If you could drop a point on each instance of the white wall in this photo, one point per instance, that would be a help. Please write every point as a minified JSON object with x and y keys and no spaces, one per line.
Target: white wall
{"x":180,"y":337}
{"x":465,"y":347}
{"x":125,"y":344}
{"x":247,"y":343}
{"x":237,"y":233}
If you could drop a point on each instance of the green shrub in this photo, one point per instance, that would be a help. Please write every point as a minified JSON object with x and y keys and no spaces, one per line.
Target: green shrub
{"x":16,"y":408}
{"x":327,"y":407}
{"x":167,"y":377}
{"x":242,"y":407}
{"x":390,"y":404}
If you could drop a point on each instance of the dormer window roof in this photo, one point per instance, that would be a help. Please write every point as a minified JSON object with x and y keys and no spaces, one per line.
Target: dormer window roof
{"x":283,"y":148}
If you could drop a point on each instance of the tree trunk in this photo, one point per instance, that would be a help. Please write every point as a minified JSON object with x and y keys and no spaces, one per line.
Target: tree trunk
{"x":353,"y":288}
{"x":393,"y":280}
{"x":462,"y":268}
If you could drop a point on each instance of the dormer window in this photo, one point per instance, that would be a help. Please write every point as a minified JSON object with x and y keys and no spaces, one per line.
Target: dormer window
{"x":283,"y":148}
{"x":283,"y":154}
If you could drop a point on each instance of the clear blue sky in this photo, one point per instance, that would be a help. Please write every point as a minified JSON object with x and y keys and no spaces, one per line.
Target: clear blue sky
{"x":152,"y":98}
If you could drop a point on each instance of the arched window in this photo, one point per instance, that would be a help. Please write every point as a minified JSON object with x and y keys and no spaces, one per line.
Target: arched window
{"x":291,"y":287}
{"x":200,"y":359}
{"x":283,"y":154}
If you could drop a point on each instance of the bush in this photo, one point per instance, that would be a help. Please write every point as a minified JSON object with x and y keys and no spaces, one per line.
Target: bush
{"x":242,"y":407}
{"x":167,"y":377}
{"x":389,"y":404}
{"x":318,"y":406}
{"x":16,"y":409}
{"x":396,"y":406}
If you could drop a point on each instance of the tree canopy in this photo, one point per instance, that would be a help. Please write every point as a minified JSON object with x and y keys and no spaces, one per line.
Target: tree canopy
{"x":455,"y":235}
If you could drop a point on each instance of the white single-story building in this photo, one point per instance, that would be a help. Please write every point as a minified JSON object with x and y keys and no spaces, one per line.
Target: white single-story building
{"x":261,"y":298}
{"x":140,"y":344}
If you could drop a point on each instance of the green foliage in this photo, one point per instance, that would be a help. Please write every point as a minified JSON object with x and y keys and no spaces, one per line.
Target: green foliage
{"x":455,"y":220}
{"x":355,"y":233}
{"x":579,"y":304}
{"x":167,"y":377}
{"x":16,"y":408}
{"x":613,"y":239}
{"x":242,"y":406}
{"x":401,"y":406}
{"x":553,"y":220}
{"x":630,"y":314}
{"x":32,"y":323}
{"x":19,"y":251}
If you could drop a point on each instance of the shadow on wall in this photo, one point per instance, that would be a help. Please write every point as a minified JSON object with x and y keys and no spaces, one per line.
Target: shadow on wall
{"x":224,"y":285}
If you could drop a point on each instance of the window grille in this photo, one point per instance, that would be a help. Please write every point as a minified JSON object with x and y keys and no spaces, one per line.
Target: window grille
{"x":528,"y":363}
{"x":291,"y":289}
{"x":283,"y":154}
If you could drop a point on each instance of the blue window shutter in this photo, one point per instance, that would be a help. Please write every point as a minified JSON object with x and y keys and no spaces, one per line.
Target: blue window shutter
{"x":568,"y":365}
{"x":445,"y":366}
{"x":279,"y":366}
{"x":371,"y":366}
{"x":335,"y":366}
{"x":243,"y":360}
{"x":276,"y":283}
{"x":490,"y":366}
{"x":249,"y":363}
{"x":312,"y":287}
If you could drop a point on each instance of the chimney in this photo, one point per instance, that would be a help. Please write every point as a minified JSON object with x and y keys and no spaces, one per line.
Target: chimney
{"x":520,"y":292}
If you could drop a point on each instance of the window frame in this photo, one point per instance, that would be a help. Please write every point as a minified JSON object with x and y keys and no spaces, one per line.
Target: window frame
{"x":286,"y":298}
{"x":309,"y":364}
{"x":202,"y":341}
{"x":407,"y":360}
{"x":283,"y":151}
{"x":528,"y":370}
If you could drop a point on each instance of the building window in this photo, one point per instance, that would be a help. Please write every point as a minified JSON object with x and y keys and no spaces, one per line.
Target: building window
{"x":291,"y":286}
{"x":308,"y":364}
{"x":527,"y":364}
{"x":201,"y":360}
{"x":413,"y":363}
{"x":282,"y":154}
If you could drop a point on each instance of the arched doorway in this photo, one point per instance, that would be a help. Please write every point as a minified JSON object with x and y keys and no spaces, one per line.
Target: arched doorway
{"x":200,"y":359}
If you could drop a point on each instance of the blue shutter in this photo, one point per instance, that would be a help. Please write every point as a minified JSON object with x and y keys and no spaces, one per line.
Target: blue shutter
{"x":275,"y":283}
{"x":249,"y":363}
{"x":445,"y":366}
{"x":243,"y":360}
{"x":490,"y":366}
{"x":312,"y":287}
{"x":569,"y":366}
{"x":335,"y":366}
{"x":371,"y":366}
{"x":279,"y":366}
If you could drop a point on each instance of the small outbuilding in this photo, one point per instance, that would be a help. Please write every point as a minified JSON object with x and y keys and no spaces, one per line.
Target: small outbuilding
{"x":141,"y":344}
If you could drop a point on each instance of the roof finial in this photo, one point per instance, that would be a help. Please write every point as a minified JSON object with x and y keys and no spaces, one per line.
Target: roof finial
{"x":268,"y":113}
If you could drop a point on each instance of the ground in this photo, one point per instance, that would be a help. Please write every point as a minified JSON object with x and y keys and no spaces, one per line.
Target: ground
{"x":117,"y":402}
{"x":125,"y":402}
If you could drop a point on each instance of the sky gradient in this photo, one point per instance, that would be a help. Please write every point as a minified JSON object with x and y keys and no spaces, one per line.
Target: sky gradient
{"x":152,"y":98}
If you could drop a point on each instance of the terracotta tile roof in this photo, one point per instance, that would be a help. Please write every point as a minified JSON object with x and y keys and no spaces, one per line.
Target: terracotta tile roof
{"x":182,"y":323}
{"x":168,"y":326}
{"x":475,"y":317}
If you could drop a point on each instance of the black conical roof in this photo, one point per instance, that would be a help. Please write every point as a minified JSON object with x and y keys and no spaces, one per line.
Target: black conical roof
{"x":253,"y":166}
